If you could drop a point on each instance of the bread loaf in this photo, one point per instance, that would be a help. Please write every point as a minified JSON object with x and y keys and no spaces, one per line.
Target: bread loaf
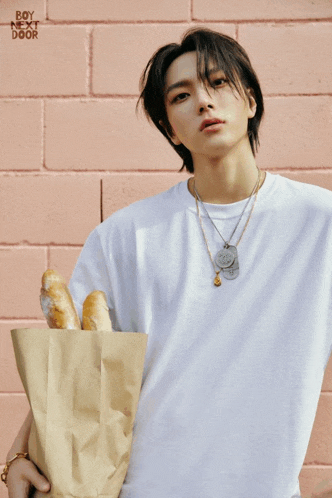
{"x":56,"y":302}
{"x":95,"y":314}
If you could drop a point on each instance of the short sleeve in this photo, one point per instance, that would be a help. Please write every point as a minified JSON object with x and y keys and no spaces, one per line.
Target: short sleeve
{"x":91,"y":273}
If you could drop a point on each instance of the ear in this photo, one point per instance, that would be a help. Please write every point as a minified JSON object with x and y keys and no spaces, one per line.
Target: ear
{"x":173,"y":138}
{"x":252,"y":104}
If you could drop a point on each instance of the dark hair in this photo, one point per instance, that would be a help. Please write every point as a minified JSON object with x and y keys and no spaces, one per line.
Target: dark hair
{"x":226,"y":53}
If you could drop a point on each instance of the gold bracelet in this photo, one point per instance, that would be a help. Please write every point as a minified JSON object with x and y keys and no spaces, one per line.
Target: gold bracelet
{"x":8,"y":464}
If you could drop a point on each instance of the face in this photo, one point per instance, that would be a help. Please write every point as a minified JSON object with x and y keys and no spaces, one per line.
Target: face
{"x":190,"y":104}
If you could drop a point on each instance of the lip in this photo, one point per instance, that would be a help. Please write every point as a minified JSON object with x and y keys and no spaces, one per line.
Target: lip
{"x":211,"y":120}
{"x":213,"y":127}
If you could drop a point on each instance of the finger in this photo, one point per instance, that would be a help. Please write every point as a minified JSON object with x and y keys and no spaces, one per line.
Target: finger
{"x":36,"y":479}
{"x":24,"y":474}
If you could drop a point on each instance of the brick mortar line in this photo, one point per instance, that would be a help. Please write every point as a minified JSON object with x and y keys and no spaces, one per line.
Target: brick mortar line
{"x":106,"y":174}
{"x":90,"y":61}
{"x":20,"y":246}
{"x":18,"y":393}
{"x":237,"y":32}
{"x":48,"y":257}
{"x":85,"y":97}
{"x":193,"y":20}
{"x":43,"y":134}
{"x":95,"y":97}
{"x":92,"y":23}
{"x":17,"y":173}
{"x":8,"y":321}
{"x":20,"y":319}
{"x":4,"y":245}
{"x":101,"y":201}
{"x":5,"y":320}
{"x":49,"y":173}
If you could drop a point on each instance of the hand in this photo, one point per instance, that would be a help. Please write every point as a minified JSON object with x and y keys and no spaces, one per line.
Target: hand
{"x":23,"y":474}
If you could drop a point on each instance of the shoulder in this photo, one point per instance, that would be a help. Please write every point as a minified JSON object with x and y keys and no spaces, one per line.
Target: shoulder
{"x":144,"y":212}
{"x":305,"y":195}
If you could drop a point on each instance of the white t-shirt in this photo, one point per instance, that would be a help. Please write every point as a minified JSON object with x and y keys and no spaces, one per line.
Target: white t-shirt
{"x":232,"y":374}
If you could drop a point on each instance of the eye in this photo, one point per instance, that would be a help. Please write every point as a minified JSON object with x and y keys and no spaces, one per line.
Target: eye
{"x":177,"y":98}
{"x":219,"y":81}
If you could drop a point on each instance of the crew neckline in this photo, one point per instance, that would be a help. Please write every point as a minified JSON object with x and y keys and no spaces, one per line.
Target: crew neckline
{"x":232,"y":209}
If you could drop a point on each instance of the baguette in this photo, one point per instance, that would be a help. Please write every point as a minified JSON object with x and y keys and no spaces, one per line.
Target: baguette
{"x":95,"y":314}
{"x":56,"y":302}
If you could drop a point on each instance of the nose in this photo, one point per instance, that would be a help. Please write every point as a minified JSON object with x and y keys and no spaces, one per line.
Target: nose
{"x":204,"y":99}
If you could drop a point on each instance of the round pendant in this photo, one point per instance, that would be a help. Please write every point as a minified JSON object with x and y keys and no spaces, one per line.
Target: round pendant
{"x":226,"y":257}
{"x":217,"y":281}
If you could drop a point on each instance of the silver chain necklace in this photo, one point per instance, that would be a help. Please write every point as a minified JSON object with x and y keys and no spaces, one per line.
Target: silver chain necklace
{"x":227,"y":258}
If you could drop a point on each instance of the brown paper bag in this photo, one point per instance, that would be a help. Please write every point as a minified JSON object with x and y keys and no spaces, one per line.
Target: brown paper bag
{"x":83,"y":388}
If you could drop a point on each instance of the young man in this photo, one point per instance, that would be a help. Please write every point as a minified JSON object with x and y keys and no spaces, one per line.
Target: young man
{"x":230,"y":276}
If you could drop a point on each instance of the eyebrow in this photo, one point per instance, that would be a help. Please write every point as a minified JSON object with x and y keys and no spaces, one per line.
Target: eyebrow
{"x":187,"y":82}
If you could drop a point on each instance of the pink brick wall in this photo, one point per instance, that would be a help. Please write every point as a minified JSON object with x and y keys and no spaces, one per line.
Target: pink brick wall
{"x":73,"y":151}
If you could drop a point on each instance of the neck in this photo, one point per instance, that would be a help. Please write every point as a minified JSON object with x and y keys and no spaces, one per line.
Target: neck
{"x":224,"y":180}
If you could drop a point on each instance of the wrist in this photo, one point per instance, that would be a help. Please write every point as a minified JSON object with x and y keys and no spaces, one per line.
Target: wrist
{"x":15,"y":449}
{"x":9,"y":463}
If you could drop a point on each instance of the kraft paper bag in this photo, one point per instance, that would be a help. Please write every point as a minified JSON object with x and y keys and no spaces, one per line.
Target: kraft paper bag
{"x":83,"y":388}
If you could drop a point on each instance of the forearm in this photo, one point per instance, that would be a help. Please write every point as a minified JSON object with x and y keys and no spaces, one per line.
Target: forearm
{"x":21,"y":441}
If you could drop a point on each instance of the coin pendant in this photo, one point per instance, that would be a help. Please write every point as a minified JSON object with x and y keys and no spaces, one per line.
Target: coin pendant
{"x":231,"y":273}
{"x":217,"y":281}
{"x":226,"y":257}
